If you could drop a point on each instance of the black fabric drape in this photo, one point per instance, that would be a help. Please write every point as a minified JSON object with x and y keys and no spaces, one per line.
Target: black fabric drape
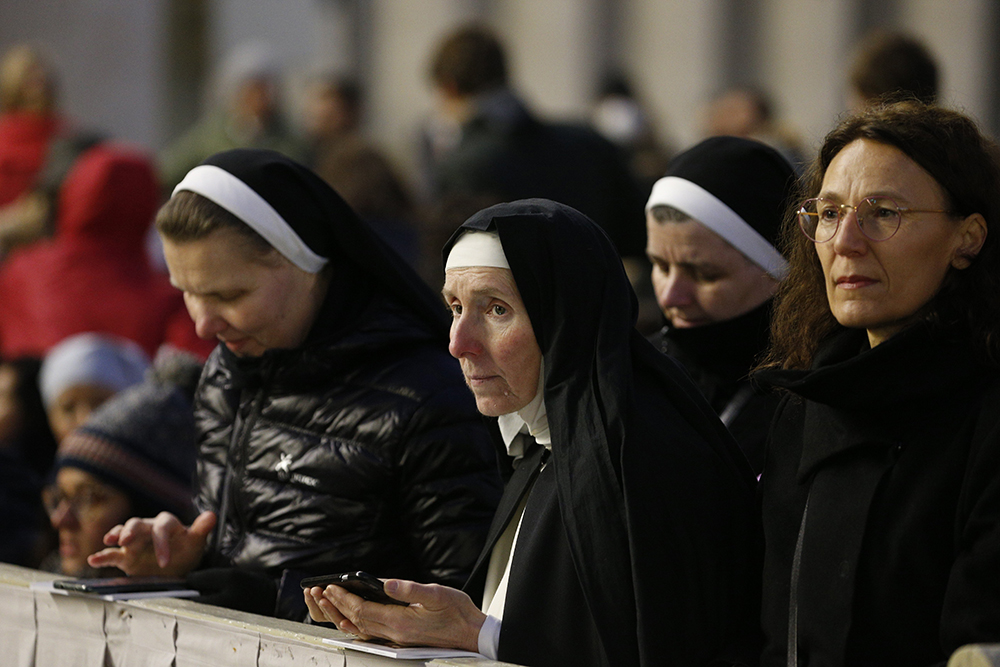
{"x":655,"y":498}
{"x":718,"y":357}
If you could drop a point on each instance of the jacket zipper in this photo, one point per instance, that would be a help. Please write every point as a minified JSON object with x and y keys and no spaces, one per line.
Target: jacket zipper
{"x":236,"y":471}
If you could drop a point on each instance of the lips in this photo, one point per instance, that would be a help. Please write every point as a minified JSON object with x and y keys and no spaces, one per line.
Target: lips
{"x":475,"y":380}
{"x":67,"y":550}
{"x":854,"y":281}
{"x":236,"y":345}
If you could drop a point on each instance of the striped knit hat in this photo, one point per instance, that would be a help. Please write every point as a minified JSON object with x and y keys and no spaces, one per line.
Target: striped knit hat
{"x":143,"y":442}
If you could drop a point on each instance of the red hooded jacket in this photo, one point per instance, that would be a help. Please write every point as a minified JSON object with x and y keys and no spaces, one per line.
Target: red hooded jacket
{"x":94,"y":273}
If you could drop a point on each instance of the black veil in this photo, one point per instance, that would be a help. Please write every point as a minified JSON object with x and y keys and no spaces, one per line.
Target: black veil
{"x":362,"y":262}
{"x":655,"y":496}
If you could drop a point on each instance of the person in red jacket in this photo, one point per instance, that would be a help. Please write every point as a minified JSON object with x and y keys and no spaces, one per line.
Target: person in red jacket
{"x":94,"y":274}
{"x":29,"y":123}
{"x":28,"y":119}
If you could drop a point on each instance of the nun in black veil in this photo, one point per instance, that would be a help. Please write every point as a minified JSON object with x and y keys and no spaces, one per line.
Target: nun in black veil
{"x":334,"y":430}
{"x":627,"y":534}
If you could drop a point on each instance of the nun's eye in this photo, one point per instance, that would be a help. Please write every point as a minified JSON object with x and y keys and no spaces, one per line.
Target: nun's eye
{"x":499,"y":310}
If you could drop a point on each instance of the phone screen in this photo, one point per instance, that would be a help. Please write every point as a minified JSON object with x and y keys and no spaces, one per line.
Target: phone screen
{"x":121,"y":584}
{"x":360,"y":583}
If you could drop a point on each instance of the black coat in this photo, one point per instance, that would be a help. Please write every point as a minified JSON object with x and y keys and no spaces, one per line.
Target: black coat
{"x":898,"y":450}
{"x":647,"y":547}
{"x":507,"y":153}
{"x":357,"y":451}
{"x":718,"y":357}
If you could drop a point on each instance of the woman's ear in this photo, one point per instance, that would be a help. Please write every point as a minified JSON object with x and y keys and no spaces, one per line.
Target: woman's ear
{"x":972,"y":240}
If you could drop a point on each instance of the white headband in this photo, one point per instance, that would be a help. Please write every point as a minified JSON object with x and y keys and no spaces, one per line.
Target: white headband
{"x":232,"y":194}
{"x":476,"y":248}
{"x":712,"y":212}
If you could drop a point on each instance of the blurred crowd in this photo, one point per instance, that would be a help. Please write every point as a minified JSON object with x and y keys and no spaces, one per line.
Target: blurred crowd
{"x":121,"y":396}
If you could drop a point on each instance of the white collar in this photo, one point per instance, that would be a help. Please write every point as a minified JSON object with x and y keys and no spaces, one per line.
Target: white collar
{"x":531,"y":419}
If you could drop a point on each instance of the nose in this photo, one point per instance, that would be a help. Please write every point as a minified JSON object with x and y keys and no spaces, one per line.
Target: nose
{"x":208,"y":324}
{"x":63,"y":516}
{"x":675,"y":290}
{"x":465,"y":337}
{"x":849,"y":240}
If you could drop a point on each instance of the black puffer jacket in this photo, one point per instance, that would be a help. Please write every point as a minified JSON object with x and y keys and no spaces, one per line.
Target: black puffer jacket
{"x":361,"y":449}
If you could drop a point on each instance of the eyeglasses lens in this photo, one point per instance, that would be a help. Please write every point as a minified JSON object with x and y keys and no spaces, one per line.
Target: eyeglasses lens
{"x":81,"y":503}
{"x":878,"y":218}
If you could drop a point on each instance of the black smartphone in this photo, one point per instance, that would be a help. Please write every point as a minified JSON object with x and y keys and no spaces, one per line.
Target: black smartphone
{"x":360,"y":583}
{"x":121,"y":585}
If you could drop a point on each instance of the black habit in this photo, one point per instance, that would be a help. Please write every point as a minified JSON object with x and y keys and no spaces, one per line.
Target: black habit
{"x":640,"y":542}
{"x":718,"y":357}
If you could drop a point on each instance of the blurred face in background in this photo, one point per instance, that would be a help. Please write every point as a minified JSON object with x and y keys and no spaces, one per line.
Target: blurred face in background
{"x":698,"y":277}
{"x":326,"y":114}
{"x":72,"y":407}
{"x":82,"y":509}
{"x":254,"y":103}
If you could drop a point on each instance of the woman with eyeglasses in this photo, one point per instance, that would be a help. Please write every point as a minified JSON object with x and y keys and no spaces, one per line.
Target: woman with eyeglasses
{"x":881,"y":489}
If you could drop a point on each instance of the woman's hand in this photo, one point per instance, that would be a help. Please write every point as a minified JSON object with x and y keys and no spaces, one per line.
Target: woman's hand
{"x":161,"y":546}
{"x":437,"y":616}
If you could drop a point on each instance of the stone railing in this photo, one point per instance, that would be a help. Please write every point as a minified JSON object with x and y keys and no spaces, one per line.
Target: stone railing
{"x":40,"y":629}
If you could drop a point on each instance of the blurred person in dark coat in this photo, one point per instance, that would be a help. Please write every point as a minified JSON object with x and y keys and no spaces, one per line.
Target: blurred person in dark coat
{"x":501,"y":150}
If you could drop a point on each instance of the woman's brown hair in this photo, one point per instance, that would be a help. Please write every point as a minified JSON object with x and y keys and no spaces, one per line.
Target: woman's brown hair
{"x":949,"y":147}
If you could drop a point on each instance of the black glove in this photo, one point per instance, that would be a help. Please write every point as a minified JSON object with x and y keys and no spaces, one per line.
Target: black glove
{"x":233,"y":588}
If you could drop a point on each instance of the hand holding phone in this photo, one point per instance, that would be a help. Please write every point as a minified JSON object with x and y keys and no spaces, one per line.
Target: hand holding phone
{"x":360,"y":583}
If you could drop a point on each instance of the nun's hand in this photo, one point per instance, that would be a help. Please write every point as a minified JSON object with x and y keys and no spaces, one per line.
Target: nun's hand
{"x":161,"y":546}
{"x":437,"y":615}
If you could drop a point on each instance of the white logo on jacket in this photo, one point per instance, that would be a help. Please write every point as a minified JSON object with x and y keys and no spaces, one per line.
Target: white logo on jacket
{"x":284,"y":470}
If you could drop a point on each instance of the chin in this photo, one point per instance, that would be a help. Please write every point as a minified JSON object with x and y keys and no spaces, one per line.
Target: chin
{"x":853,"y":317}
{"x":495,"y":406}
{"x":489,"y":408}
{"x":681,"y":323}
{"x":73,"y":567}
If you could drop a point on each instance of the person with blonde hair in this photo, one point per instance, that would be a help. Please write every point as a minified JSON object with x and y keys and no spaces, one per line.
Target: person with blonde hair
{"x":29,"y":122}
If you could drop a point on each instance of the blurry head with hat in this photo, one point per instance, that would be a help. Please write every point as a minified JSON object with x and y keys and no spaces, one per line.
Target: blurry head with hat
{"x":84,"y":370}
{"x":711,"y":224}
{"x":134,"y":456}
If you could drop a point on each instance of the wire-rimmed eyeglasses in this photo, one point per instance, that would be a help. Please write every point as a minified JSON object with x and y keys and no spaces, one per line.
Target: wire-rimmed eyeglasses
{"x":878,"y":218}
{"x":83,"y":503}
